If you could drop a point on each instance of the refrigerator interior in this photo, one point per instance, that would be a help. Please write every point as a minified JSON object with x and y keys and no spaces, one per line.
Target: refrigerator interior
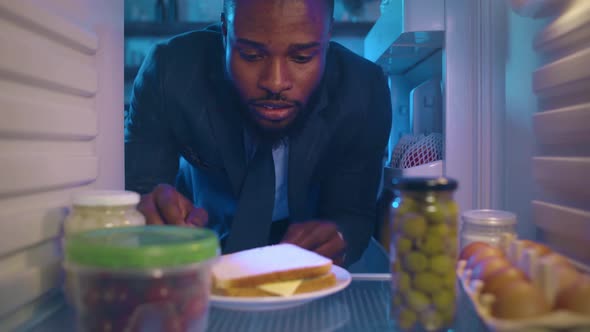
{"x":407,"y":41}
{"x":524,"y":149}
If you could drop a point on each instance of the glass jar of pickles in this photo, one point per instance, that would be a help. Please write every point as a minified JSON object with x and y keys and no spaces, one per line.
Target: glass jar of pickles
{"x":423,"y":251}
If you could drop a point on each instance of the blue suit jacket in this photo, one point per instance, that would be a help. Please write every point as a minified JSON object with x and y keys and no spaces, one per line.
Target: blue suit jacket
{"x":183,"y":127}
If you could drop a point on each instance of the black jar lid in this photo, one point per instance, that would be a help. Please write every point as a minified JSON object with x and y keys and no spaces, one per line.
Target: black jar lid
{"x":424,"y":184}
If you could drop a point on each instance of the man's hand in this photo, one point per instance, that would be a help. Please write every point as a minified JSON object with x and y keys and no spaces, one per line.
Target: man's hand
{"x":165,"y":205}
{"x":322,"y":237}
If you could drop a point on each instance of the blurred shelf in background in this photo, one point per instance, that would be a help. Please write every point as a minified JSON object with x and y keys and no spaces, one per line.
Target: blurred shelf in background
{"x":157,"y":29}
{"x":165,"y":30}
{"x":148,"y":22}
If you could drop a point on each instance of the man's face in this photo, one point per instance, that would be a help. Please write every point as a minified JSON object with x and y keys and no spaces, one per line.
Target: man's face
{"x":275,"y":55}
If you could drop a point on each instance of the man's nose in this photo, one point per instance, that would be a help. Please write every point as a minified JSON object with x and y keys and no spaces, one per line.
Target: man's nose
{"x":275,"y":77}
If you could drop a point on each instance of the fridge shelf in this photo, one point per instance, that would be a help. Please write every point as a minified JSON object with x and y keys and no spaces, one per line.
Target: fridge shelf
{"x":566,"y":31}
{"x":566,"y":125}
{"x":565,"y":229}
{"x":564,"y":177}
{"x":567,"y":76}
{"x":407,"y":33}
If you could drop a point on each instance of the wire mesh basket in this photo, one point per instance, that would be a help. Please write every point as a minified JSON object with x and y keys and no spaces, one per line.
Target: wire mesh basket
{"x":416,"y":150}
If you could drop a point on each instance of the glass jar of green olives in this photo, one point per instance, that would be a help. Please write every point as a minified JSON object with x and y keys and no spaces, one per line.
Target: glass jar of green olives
{"x":423,"y":253}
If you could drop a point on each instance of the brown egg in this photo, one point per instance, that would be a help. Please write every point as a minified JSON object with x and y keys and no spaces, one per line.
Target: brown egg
{"x":541,"y":249}
{"x":503,"y":279}
{"x":519,"y":300}
{"x":576,"y":298}
{"x":484,"y":269}
{"x":471,"y":248}
{"x":567,"y":276}
{"x":558,"y":260}
{"x":482,"y":254}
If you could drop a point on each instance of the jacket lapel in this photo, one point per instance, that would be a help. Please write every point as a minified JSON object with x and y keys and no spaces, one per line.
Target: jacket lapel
{"x":228,"y":131}
{"x":304,"y":152}
{"x":306,"y":148}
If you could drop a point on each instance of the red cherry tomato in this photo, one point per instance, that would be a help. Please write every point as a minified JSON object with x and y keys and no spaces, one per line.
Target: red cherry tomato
{"x":106,"y":325}
{"x":109,"y":296}
{"x":194,"y":309}
{"x":174,"y":324}
{"x":92,"y":298}
{"x":125,"y":301}
{"x":159,"y":291}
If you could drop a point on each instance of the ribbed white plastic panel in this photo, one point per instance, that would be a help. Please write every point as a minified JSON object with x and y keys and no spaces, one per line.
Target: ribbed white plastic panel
{"x":561,"y":222}
{"x":562,"y":126}
{"x":48,"y":128}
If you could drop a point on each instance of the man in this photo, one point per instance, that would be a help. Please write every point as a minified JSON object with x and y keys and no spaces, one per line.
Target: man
{"x":280,"y":133}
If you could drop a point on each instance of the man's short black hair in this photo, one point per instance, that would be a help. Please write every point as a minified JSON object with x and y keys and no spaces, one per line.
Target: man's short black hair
{"x":229,"y":6}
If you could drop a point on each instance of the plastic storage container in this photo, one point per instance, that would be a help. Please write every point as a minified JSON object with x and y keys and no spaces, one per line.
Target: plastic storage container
{"x":423,"y":253}
{"x":486,"y":226}
{"x":151,"y":278}
{"x":103,"y":209}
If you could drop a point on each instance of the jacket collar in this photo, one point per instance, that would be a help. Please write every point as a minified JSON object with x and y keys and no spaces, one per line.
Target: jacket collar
{"x":228,"y":128}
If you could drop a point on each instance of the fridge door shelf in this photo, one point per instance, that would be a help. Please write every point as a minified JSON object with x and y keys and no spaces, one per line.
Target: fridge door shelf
{"x":433,"y":169}
{"x":406,"y":33}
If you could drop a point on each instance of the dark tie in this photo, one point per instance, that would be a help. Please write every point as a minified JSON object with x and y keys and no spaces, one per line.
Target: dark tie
{"x":253,"y":218}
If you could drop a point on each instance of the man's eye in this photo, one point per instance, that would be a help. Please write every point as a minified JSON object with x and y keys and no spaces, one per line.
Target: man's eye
{"x":250,"y":56}
{"x":302,"y":58}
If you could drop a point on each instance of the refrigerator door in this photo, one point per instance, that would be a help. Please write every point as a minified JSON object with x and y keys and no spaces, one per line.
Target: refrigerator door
{"x":426,"y":107}
{"x":58,"y":81}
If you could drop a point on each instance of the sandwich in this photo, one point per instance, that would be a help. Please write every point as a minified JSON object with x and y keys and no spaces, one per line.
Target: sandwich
{"x":276,"y":270}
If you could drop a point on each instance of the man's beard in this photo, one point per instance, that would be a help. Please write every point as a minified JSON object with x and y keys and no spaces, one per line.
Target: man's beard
{"x":273,"y":136}
{"x":277,"y":136}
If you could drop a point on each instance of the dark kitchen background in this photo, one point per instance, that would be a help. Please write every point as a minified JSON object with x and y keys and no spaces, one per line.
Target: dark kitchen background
{"x":150,"y":21}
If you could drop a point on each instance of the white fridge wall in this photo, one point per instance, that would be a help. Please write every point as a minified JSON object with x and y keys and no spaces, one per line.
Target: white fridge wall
{"x":561,"y":127}
{"x":521,"y":105}
{"x":459,"y":121}
{"x":478,"y":44}
{"x":529,"y":138}
{"x":104,"y":18}
{"x":61,"y":104}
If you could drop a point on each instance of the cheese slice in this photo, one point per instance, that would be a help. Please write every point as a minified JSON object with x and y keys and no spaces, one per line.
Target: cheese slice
{"x":283,"y":288}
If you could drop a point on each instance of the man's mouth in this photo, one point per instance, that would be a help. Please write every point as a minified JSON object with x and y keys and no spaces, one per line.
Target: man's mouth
{"x":273,"y":106}
{"x":274,"y":111}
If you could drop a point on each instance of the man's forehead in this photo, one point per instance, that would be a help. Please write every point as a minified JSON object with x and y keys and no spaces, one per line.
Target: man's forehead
{"x":314,"y":9}
{"x":280,"y":17}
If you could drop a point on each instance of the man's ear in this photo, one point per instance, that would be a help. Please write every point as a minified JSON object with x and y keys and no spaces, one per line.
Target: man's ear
{"x":224,"y":28}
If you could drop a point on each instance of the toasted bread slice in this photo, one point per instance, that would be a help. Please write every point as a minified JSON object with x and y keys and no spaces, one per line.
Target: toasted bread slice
{"x":307,"y":285}
{"x":281,"y":262}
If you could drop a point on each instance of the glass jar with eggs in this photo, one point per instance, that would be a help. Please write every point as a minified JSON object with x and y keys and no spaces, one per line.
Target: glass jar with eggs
{"x":423,"y":251}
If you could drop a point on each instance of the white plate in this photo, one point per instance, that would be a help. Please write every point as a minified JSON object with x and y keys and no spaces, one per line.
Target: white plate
{"x":275,"y":303}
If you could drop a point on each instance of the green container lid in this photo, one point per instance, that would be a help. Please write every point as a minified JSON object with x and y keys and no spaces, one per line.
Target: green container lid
{"x":143,"y":247}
